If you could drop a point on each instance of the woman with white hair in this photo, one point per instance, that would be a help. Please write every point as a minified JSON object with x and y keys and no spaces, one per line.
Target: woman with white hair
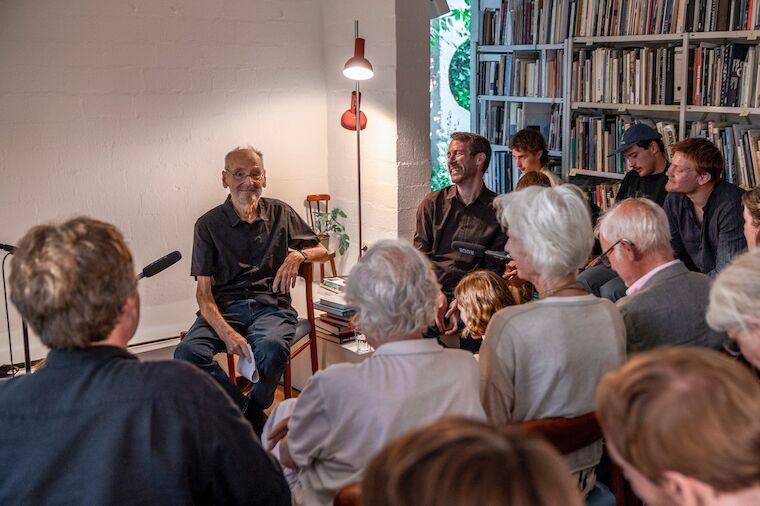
{"x":348,"y":412}
{"x":735,"y":304}
{"x":544,"y":359}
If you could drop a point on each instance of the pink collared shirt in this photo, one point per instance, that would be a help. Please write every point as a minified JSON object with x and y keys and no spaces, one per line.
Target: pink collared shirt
{"x":639,"y":284}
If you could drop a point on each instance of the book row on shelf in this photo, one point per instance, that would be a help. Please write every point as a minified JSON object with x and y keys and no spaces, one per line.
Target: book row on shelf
{"x":594,"y":139}
{"x":726,"y":75}
{"x":525,"y":22}
{"x":594,"y":18}
{"x":629,"y":76}
{"x":499,"y":175}
{"x":527,"y":75}
{"x":516,"y":22}
{"x":500,"y":121}
{"x":603,"y":194}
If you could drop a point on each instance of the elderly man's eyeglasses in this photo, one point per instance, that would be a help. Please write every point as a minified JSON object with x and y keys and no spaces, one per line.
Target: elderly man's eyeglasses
{"x":604,"y":258}
{"x":241,"y":175}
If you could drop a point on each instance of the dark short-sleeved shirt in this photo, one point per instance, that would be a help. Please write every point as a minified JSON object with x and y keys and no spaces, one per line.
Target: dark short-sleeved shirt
{"x":708,"y":247}
{"x":442,"y":219}
{"x":651,"y":186}
{"x":97,"y":426}
{"x":242,"y":258}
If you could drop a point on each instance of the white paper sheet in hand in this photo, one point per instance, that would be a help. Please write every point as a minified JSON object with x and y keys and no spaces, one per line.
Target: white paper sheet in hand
{"x":248,"y":367}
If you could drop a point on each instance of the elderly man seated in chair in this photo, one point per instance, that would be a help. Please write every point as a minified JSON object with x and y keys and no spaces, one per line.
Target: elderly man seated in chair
{"x":246,"y":255}
{"x":347,"y":413}
{"x":665,"y":302}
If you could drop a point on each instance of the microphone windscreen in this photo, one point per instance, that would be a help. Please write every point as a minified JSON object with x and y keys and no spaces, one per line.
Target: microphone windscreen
{"x":468,"y":248}
{"x":162,"y":263}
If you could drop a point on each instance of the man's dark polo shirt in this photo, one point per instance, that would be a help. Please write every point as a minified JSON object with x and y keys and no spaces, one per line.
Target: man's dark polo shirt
{"x":242,"y":258}
{"x":709,"y":247}
{"x":97,"y":426}
{"x":442,"y":219}
{"x":651,"y":187}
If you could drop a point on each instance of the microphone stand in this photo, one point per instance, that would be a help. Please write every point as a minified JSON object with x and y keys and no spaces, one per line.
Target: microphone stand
{"x":27,"y":355}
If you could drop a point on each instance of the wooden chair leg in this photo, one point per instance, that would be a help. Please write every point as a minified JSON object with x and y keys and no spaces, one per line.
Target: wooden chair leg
{"x":332,"y":266}
{"x":313,"y":351}
{"x":321,"y":271}
{"x":231,"y":368}
{"x":288,"y":387}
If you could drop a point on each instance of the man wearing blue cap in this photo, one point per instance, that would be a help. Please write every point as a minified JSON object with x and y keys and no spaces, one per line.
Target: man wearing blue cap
{"x":644,"y":153}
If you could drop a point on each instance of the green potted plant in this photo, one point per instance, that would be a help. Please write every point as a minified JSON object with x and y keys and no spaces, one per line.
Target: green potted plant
{"x":327,"y":223}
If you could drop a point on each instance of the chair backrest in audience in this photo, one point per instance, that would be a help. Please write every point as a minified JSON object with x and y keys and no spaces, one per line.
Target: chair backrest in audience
{"x":350,"y":495}
{"x":566,"y":434}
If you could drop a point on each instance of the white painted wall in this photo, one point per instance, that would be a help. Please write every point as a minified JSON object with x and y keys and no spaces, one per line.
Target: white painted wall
{"x":123,"y":110}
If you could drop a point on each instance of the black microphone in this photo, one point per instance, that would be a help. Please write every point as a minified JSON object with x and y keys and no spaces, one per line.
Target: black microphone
{"x":159,"y":265}
{"x":7,"y":247}
{"x":478,"y":251}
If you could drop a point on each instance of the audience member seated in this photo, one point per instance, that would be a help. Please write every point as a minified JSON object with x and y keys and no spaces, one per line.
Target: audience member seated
{"x":705,"y":212}
{"x":246,"y":254}
{"x":644,"y":153}
{"x":751,"y":202}
{"x":533,"y":178}
{"x":458,"y":462}
{"x":97,"y":426}
{"x":530,"y":154}
{"x":347,"y":412}
{"x":544,"y":358}
{"x":479,"y":295}
{"x":735,"y":304}
{"x":666,"y":302}
{"x":684,"y":425}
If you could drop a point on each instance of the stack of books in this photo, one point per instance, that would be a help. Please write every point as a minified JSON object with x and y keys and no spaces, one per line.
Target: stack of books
{"x":335,"y":322}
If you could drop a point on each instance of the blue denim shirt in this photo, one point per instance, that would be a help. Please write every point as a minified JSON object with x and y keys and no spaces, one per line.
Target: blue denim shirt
{"x":710,"y":246}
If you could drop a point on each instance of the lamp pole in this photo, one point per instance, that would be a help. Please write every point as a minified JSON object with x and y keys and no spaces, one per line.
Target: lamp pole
{"x":358,"y":149}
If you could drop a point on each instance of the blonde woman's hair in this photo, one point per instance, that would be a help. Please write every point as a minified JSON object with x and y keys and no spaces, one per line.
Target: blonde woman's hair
{"x":735,"y":294}
{"x":689,"y":410}
{"x":481,"y":294}
{"x":461,"y":462}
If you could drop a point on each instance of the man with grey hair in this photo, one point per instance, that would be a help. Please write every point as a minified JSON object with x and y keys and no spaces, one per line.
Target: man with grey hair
{"x":348,"y":412}
{"x":665,"y":302}
{"x":97,"y":426}
{"x":246,"y":256}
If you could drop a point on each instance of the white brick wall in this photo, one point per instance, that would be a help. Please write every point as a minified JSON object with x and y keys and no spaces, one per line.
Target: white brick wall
{"x":123,"y":110}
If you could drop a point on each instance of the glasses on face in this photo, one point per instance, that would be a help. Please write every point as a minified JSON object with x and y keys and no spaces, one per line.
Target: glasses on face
{"x":241,"y":175}
{"x":604,"y":258}
{"x":731,"y":347}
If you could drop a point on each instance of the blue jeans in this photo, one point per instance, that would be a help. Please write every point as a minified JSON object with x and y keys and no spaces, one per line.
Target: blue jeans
{"x":268,"y":329}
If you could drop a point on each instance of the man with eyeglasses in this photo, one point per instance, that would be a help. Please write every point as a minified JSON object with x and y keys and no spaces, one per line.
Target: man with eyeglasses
{"x":665,"y":302}
{"x":246,"y":256}
{"x":705,"y":212}
{"x":644,"y":154}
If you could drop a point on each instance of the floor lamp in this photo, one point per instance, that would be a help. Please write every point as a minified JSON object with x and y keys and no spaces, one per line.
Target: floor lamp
{"x":358,"y":68}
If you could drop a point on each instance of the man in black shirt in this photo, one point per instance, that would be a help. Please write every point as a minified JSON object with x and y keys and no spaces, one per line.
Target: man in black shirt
{"x":644,"y":154}
{"x":460,"y":212}
{"x":246,"y":255}
{"x":97,"y":426}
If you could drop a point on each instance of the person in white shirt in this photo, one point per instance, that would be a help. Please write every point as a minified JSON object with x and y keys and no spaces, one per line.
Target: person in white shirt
{"x":347,"y":412}
{"x":665,"y":302}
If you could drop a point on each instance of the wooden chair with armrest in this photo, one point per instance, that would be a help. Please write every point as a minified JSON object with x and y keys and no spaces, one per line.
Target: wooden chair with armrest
{"x":320,"y":203}
{"x":570,"y":434}
{"x":305,"y":335}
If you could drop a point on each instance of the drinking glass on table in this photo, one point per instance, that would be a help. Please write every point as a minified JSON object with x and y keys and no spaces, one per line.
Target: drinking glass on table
{"x":362,"y":346}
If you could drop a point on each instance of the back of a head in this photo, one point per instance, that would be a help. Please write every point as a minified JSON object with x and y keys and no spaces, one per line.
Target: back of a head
{"x":735,"y":294}
{"x":533,"y":178}
{"x":461,"y":462}
{"x":639,"y":221}
{"x":687,"y":410}
{"x":554,"y":224}
{"x":70,"y":281}
{"x":481,"y":293}
{"x":393,"y":290}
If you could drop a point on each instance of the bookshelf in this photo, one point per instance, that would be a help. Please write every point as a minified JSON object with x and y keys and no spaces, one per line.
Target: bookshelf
{"x":519,"y":57}
{"x":667,"y":62}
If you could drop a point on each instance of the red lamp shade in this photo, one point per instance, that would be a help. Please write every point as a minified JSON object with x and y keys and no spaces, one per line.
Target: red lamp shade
{"x":358,"y":67}
{"x":348,"y":118}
